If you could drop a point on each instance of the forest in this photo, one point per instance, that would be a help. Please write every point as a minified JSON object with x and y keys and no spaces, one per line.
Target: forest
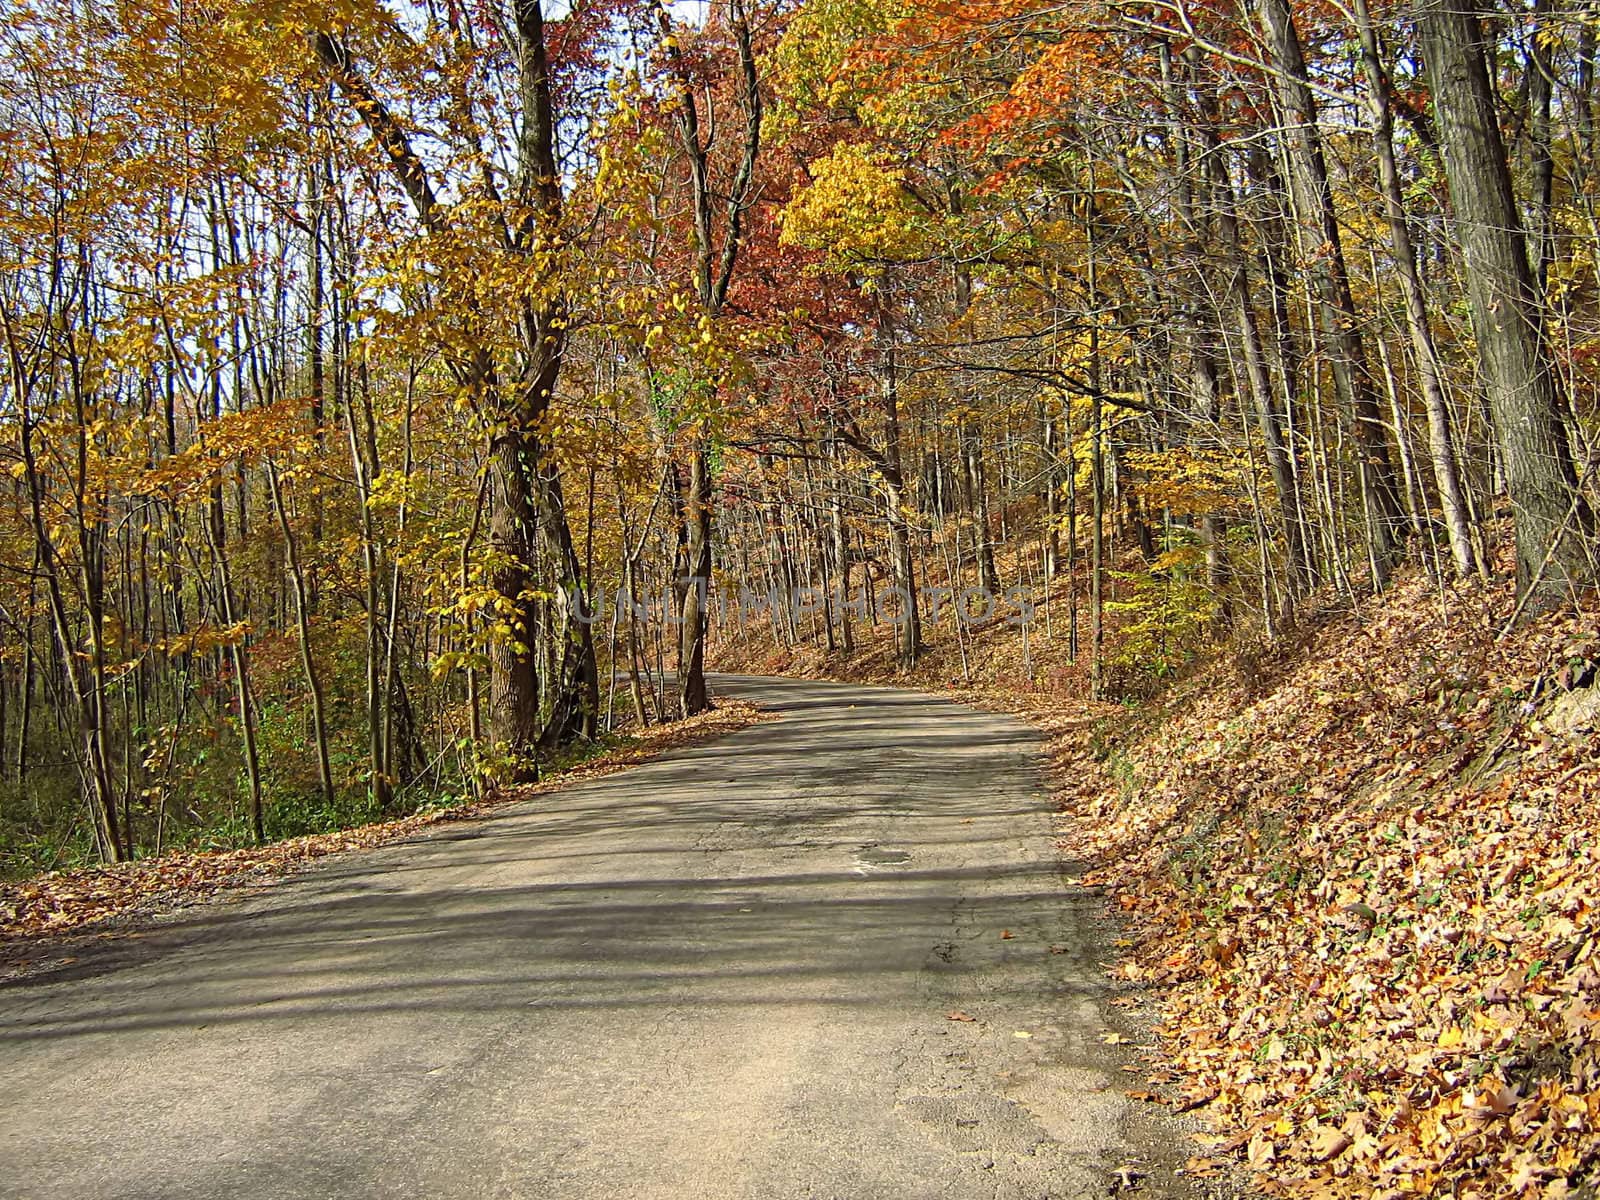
{"x":401,"y":403}
{"x":355,"y":355}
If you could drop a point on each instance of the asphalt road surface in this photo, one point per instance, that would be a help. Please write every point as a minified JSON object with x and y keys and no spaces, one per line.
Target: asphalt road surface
{"x":725,"y":975}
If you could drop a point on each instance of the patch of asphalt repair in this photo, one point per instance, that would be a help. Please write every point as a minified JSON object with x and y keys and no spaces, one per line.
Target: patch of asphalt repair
{"x":830,"y":956}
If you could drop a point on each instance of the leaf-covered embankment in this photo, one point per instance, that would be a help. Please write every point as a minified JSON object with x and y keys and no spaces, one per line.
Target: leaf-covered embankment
{"x":1367,"y":875}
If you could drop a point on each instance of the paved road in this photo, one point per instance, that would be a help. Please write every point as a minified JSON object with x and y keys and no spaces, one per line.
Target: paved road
{"x":722,"y":976}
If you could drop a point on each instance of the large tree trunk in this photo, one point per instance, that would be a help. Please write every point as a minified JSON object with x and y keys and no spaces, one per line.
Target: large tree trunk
{"x":513,"y":672}
{"x":574,"y":691}
{"x":1441,"y":441}
{"x":692,"y":694}
{"x":527,"y":498}
{"x":1552,"y":520}
{"x":1331,"y":282}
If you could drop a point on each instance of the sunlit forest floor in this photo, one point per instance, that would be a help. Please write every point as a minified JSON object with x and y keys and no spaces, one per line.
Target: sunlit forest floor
{"x":1356,"y":870}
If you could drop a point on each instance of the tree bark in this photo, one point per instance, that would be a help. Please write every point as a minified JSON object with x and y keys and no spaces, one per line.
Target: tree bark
{"x":1551,"y":518}
{"x":1340,"y":330}
{"x":1441,"y":440}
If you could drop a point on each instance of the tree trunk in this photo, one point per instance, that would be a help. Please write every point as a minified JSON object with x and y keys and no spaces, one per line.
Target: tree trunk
{"x":308,"y":664}
{"x":95,"y":771}
{"x":514,"y":696}
{"x":1297,"y":556}
{"x":1331,"y":282}
{"x":713,"y":275}
{"x":1551,"y":518}
{"x":1441,"y":442}
{"x":983,"y":547}
{"x":692,"y":694}
{"x":841,"y":558}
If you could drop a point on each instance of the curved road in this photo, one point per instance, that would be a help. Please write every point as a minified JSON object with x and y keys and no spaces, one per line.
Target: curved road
{"x":725,"y":975}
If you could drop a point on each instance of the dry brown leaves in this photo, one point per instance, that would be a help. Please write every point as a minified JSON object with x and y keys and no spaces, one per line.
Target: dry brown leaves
{"x":1372,"y":895}
{"x":64,"y":901}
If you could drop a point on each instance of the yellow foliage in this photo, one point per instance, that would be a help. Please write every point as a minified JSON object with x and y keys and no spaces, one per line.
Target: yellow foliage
{"x":856,"y":210}
{"x":817,"y":62}
{"x":265,"y":430}
{"x":205,"y":639}
{"x":1186,"y":482}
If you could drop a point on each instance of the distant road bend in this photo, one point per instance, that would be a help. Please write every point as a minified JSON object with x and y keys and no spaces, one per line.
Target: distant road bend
{"x":740,"y":972}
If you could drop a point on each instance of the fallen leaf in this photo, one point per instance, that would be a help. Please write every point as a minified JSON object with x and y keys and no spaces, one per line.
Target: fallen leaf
{"x":1145,"y":1097}
{"x":1329,"y":1142}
